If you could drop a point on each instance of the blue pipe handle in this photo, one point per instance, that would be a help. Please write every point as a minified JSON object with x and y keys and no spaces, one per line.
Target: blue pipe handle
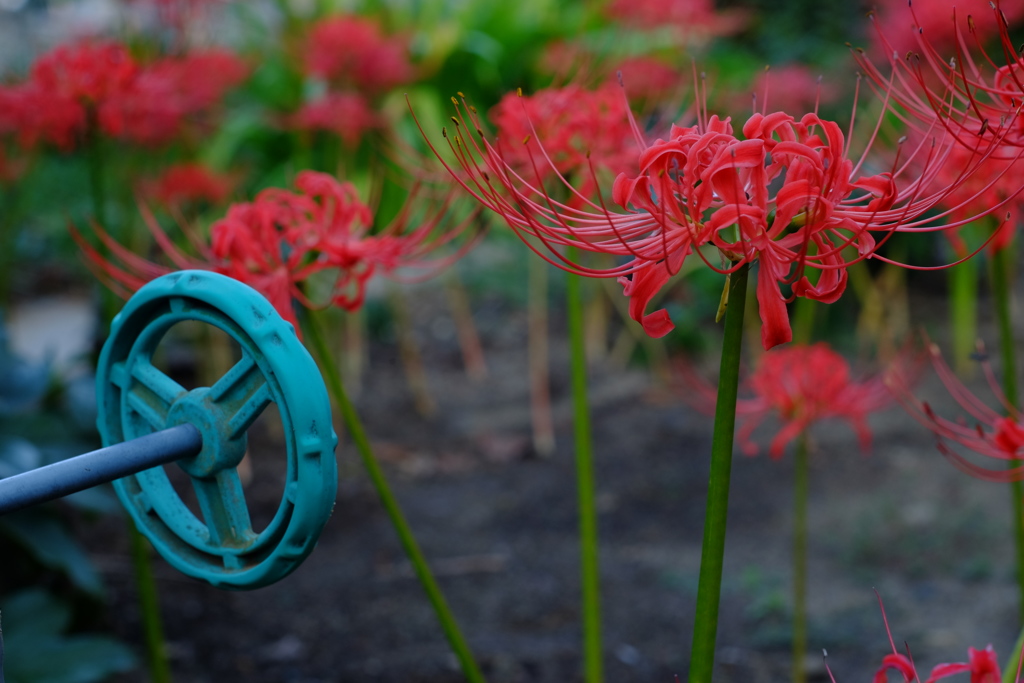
{"x":98,"y":467}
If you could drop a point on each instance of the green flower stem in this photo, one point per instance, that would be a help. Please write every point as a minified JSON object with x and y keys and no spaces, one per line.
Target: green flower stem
{"x":963,"y":309}
{"x":97,"y":180}
{"x":800,"y":489}
{"x":149,"y":603}
{"x":1001,"y":294}
{"x":804,"y":317}
{"x":592,"y":649}
{"x":8,"y":239}
{"x":390,"y":502}
{"x":709,"y":587}
{"x":1010,"y":670}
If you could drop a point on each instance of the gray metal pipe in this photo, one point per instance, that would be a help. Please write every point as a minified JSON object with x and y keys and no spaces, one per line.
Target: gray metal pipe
{"x":98,"y":467}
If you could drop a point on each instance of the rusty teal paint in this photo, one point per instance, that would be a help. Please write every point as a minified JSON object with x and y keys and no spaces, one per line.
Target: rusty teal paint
{"x":135,"y":398}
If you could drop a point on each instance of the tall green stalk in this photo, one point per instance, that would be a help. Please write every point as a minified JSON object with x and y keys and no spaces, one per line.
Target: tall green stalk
{"x":1001,"y":261}
{"x":149,"y":603}
{"x":97,"y":175}
{"x":1010,"y":670}
{"x":709,"y":587}
{"x":800,"y":490}
{"x":592,"y":649}
{"x":8,"y":221}
{"x":963,"y":309}
{"x":412,"y":549}
{"x":803,"y":332}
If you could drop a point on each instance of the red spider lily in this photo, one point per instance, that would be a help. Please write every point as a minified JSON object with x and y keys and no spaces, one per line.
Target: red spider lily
{"x":579,"y":129}
{"x":647,"y":79}
{"x":697,"y":21}
{"x":279,"y":241}
{"x":935,"y":19}
{"x":982,"y":665}
{"x":788,"y":195}
{"x":188,"y":183}
{"x":993,"y":435}
{"x":347,"y":115}
{"x":35,"y":116}
{"x":350,"y":50}
{"x":88,"y":73}
{"x":900,"y":663}
{"x":800,"y":385}
{"x":791,"y":87}
{"x":88,"y":88}
{"x":977,"y":100}
{"x":155,"y":106}
{"x":991,"y":193}
{"x":68,"y":90}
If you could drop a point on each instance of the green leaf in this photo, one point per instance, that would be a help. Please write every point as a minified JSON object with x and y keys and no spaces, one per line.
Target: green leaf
{"x":33,"y":614}
{"x":36,"y":652}
{"x":74,"y":659}
{"x":219,"y":151}
{"x":52,"y":545}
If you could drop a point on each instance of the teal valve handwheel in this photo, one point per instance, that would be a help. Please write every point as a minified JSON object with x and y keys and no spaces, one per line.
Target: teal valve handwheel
{"x":135,"y":398}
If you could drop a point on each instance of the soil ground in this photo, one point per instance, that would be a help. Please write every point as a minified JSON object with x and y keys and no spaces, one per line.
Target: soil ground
{"x":499,"y":526}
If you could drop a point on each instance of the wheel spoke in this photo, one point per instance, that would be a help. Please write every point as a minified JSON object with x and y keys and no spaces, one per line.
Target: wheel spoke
{"x":243,"y":393}
{"x":222,"y":502}
{"x":157,"y":382}
{"x":151,"y":394}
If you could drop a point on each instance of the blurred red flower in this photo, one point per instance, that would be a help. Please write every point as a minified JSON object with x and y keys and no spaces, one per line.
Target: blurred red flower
{"x":932,"y":18}
{"x":939,"y":82}
{"x":97,"y":88}
{"x":696,"y":21}
{"x":994,"y":435}
{"x":577,"y":127}
{"x":790,"y":87}
{"x":347,"y":115}
{"x":647,"y":79}
{"x":983,"y":665}
{"x":800,"y":385}
{"x":998,"y":183}
{"x":68,"y":90}
{"x":154,"y":108}
{"x":188,"y":183}
{"x":351,"y":50}
{"x":282,"y":239}
{"x":28,"y":116}
{"x":87,"y":73}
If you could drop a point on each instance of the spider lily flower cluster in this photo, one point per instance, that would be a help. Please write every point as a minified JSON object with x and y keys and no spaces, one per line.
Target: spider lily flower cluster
{"x":787,"y":193}
{"x":803,"y":385}
{"x":283,"y":239}
{"x":89,"y":88}
{"x":982,"y":665}
{"x":579,"y":129}
{"x":976,"y":100}
{"x":353,"y":63}
{"x":800,"y":385}
{"x":993,"y":434}
{"x":188,"y":183}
